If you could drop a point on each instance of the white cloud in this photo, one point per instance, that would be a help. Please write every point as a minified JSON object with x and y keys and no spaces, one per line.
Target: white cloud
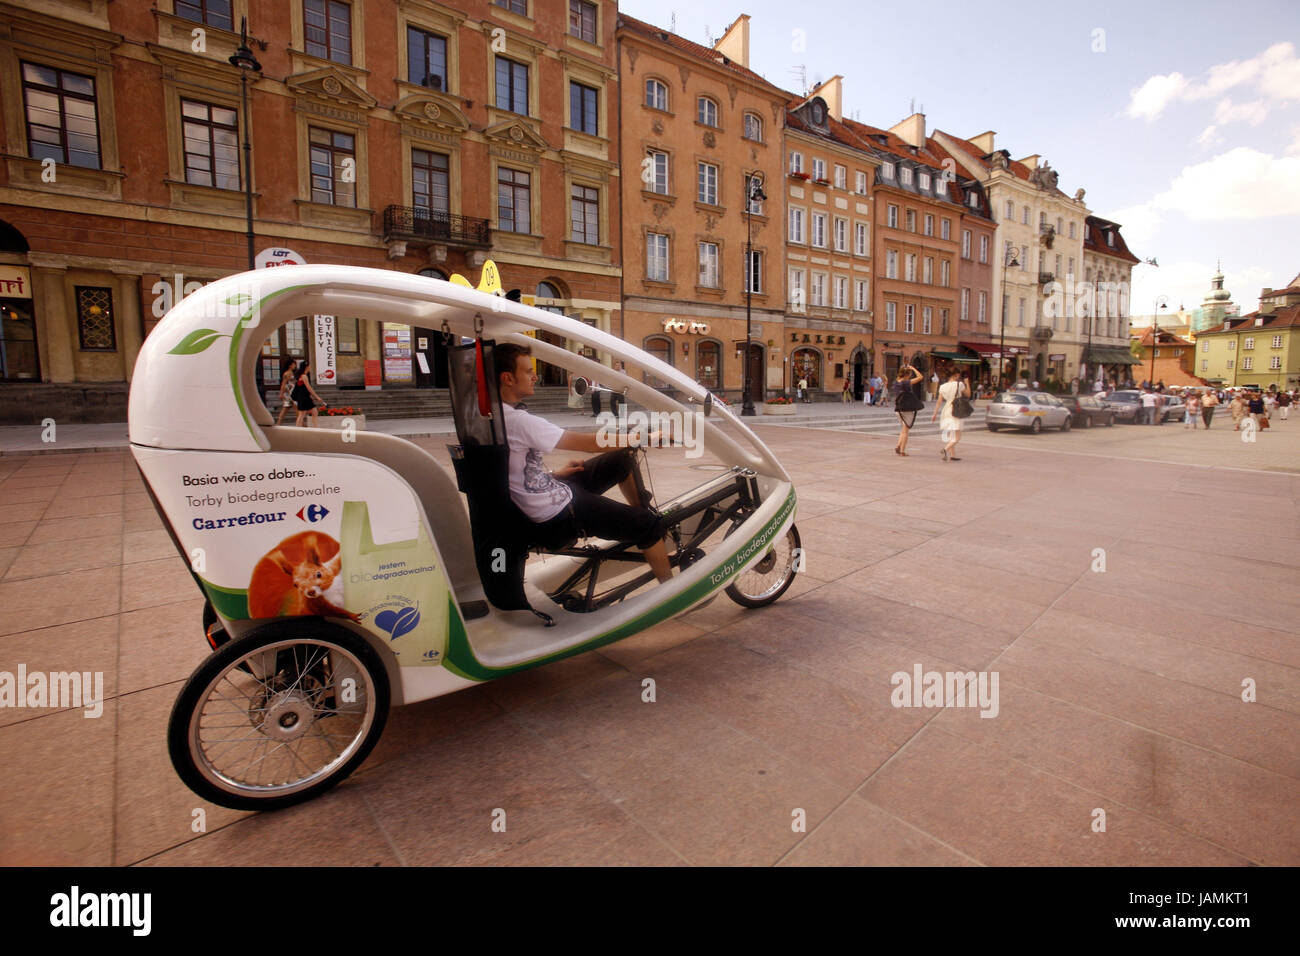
{"x":1140,"y":223}
{"x":1150,"y":99}
{"x":1254,"y":112}
{"x":1242,"y":183}
{"x":1274,"y":73}
{"x":1294,"y":148}
{"x":1209,"y":137}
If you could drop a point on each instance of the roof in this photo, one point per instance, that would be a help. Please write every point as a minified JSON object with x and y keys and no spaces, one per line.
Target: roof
{"x":1094,"y":232}
{"x":1016,"y":168}
{"x":692,"y":49}
{"x":1166,"y":338}
{"x":883,"y":141}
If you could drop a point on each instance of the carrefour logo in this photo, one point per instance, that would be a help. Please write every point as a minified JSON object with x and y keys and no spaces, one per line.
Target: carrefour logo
{"x":313,"y":513}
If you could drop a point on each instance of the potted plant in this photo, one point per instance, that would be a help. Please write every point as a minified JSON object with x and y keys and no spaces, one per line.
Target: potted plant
{"x":802,"y":177}
{"x":779,"y":406}
{"x":339,"y":416}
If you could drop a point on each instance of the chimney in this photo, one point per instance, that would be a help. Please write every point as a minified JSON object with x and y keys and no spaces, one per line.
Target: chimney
{"x":734,"y":42}
{"x":983,"y":142}
{"x":832,"y":91}
{"x":1030,"y":161}
{"x":912,"y":130}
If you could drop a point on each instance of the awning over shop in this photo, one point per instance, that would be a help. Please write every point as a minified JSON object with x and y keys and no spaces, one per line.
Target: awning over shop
{"x":1109,"y":355}
{"x":988,"y":350}
{"x":956,"y":357}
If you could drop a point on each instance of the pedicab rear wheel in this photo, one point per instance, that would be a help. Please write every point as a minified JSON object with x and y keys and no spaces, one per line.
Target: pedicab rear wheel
{"x":279,"y":716}
{"x":766,"y":578}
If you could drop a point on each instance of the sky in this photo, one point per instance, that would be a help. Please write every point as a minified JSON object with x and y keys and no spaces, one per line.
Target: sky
{"x":1181,"y":122}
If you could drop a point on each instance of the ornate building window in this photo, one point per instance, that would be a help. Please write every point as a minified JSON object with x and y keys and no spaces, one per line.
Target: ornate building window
{"x":95,"y":319}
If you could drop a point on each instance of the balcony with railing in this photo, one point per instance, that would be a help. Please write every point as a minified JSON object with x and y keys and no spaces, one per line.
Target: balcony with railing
{"x":1046,"y":278}
{"x":418,"y":225}
{"x":1042,"y":331}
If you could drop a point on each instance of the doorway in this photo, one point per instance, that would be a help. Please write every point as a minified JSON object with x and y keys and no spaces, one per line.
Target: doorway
{"x":290,"y":340}
{"x":755,"y":369}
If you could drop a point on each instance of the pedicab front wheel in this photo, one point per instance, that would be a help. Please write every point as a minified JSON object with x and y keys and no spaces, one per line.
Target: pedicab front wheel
{"x":278,"y":716}
{"x":767,"y":578}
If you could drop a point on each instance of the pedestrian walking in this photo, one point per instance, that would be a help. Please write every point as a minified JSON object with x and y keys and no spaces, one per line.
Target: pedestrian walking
{"x":906,"y":403}
{"x":799,"y":389}
{"x":1284,"y":406}
{"x":1255,"y":406}
{"x":934,"y":385}
{"x":846,"y":394}
{"x":1191,"y":411}
{"x":1237,"y":407}
{"x":1208,"y":403}
{"x":288,"y":372}
{"x":305,"y":396}
{"x":950,"y":422}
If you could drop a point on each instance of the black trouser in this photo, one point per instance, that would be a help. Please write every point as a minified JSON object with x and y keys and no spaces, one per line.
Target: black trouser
{"x":1207,"y":414}
{"x":591,"y":514}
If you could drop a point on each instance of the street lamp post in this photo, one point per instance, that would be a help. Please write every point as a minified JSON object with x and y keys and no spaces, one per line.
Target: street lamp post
{"x":244,"y":60}
{"x":1008,"y":261}
{"x":1162,"y":302}
{"x":753,"y":194}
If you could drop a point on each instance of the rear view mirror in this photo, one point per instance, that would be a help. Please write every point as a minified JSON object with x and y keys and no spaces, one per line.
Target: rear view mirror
{"x":708,"y":404}
{"x":580,"y":386}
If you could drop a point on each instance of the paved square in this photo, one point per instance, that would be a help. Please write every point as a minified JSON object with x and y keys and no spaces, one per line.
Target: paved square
{"x":1119,"y":690}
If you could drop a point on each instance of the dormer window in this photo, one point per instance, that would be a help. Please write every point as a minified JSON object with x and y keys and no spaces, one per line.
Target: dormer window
{"x":1110,"y":239}
{"x":974,"y":200}
{"x":925,"y":180}
{"x":905,"y":175}
{"x":818,"y":113}
{"x":887,"y":170}
{"x":941,"y":187}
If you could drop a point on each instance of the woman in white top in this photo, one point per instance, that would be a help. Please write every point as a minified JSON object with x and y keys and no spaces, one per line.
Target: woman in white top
{"x":949,"y":424}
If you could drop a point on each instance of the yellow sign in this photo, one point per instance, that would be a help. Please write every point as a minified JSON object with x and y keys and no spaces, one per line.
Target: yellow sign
{"x":490,"y":280}
{"x":15,"y":282}
{"x":459,"y":279}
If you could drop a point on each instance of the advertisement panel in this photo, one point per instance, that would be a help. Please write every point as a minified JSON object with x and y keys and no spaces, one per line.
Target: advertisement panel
{"x":276,"y":535}
{"x":326,"y":351}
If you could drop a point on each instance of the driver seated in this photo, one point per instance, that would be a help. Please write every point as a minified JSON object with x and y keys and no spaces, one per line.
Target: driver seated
{"x":570,"y":501}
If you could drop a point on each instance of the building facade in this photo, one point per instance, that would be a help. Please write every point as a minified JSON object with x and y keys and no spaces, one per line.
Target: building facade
{"x":1261,"y":349}
{"x":1103,"y":303}
{"x":1040,"y":234}
{"x":399,"y":134}
{"x":918,"y":244}
{"x":828,"y":249}
{"x":699,"y":128}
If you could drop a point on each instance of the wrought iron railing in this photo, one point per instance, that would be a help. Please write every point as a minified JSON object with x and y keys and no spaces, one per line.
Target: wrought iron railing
{"x":415,"y":222}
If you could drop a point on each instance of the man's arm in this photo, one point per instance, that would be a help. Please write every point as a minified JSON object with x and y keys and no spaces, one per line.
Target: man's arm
{"x":580,"y":441}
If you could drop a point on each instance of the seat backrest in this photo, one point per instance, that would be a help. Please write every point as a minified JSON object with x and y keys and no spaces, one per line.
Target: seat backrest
{"x":432,"y":484}
{"x":472,"y":426}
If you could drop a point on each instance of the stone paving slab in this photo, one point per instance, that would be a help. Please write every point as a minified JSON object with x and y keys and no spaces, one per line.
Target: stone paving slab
{"x":774,"y":738}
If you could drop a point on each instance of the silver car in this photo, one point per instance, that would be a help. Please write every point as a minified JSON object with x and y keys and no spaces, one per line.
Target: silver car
{"x":1032,"y":410}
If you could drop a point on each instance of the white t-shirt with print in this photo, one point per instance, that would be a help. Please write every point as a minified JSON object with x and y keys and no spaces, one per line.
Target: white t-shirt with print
{"x":534,"y":489}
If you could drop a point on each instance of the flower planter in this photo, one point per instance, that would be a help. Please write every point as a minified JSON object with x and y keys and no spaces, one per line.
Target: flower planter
{"x":780,"y":409}
{"x":337,"y":421}
{"x":802,"y":177}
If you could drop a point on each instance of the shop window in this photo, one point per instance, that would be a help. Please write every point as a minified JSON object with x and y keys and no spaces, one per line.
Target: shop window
{"x":95,"y":319}
{"x":708,"y":365}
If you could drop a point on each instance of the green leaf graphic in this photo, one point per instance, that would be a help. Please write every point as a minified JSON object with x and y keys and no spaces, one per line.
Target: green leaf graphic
{"x":196,"y":342}
{"x":239,"y":299}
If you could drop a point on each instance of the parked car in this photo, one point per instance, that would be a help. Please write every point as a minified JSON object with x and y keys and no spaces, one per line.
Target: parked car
{"x":1032,"y":410}
{"x":1126,"y":404}
{"x":1174,"y":408}
{"x":1087,"y":411}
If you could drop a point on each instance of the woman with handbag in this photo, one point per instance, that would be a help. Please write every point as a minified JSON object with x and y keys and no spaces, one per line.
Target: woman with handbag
{"x":305,"y":396}
{"x":907,"y":403}
{"x":954,"y":399}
